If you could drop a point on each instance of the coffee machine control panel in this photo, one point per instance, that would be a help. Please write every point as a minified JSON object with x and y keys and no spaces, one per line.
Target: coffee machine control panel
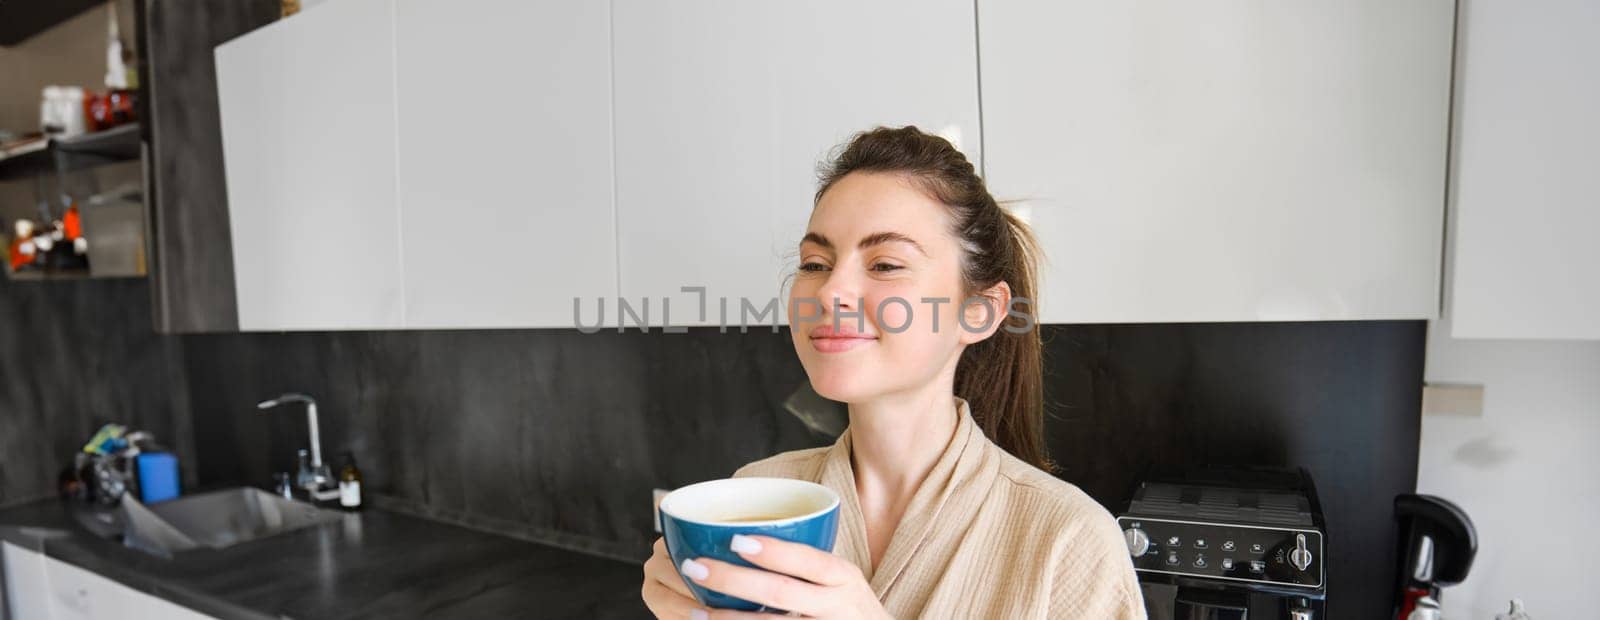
{"x":1280,"y":556}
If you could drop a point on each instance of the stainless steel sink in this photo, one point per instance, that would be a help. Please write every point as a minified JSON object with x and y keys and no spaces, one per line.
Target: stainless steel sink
{"x":217,"y":519}
{"x":231,"y":516}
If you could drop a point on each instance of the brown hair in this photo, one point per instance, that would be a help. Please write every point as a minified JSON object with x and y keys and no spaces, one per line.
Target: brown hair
{"x":1002,"y":376}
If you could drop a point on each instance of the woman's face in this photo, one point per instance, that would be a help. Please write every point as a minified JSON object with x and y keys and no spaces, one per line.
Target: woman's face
{"x":877,"y":246}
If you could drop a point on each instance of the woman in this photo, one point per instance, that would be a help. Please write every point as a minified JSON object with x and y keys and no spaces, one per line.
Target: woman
{"x":947,"y":510}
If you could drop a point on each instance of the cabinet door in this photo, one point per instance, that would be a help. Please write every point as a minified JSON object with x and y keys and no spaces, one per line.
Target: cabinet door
{"x":26,"y":591}
{"x":1223,"y":161}
{"x":1526,"y":264}
{"x":505,"y":161}
{"x":308,"y":134}
{"x":724,"y":109}
{"x":79,"y":594}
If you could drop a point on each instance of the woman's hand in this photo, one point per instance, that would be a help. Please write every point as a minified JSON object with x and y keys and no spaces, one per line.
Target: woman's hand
{"x":664,"y":591}
{"x":803,"y":580}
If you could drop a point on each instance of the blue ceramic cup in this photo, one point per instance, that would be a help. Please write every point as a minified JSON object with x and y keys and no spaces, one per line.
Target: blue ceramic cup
{"x":699,"y":520}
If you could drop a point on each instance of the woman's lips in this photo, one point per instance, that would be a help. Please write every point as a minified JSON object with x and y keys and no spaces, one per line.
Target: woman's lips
{"x":826,"y":339}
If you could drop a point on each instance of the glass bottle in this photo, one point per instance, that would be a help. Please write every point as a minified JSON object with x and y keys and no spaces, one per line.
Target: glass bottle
{"x":304,"y":476}
{"x":280,"y":485}
{"x":350,"y":484}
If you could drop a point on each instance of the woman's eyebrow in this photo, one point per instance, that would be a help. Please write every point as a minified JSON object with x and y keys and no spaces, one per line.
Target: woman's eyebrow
{"x":867,"y":241}
{"x":889,"y":237}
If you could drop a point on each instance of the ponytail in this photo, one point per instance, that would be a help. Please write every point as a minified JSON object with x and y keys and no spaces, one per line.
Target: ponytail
{"x":1004,"y":373}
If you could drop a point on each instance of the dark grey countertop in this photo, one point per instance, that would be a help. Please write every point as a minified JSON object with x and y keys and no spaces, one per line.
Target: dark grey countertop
{"x":375,"y":563}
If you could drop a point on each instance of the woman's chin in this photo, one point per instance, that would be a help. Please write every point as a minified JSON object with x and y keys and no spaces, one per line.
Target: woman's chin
{"x":842,"y":387}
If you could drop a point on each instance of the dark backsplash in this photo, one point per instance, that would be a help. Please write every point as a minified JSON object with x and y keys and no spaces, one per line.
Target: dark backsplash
{"x":1342,"y":399}
{"x":560,"y":436}
{"x":550,"y":434}
{"x":75,"y":355}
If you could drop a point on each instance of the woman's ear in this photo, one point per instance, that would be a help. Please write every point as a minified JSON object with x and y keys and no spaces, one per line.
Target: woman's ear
{"x":983,"y":314}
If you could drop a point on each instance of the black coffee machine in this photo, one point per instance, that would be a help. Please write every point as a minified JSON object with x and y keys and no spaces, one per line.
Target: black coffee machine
{"x":1234,"y":543}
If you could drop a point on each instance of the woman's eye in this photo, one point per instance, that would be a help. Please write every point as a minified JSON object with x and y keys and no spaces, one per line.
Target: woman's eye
{"x":813,"y":267}
{"x":885,"y":267}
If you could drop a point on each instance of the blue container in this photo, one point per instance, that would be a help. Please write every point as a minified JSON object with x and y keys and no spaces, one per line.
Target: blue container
{"x":699,"y":521}
{"x":158,"y":476}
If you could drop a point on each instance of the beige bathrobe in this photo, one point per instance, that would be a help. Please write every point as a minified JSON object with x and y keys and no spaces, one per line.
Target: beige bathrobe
{"x":985,"y":536}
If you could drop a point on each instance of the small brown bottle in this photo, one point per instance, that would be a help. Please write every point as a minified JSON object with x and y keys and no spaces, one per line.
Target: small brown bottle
{"x":350,"y":485}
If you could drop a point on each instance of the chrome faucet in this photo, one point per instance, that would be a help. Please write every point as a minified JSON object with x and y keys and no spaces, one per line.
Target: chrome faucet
{"x":321,"y":476}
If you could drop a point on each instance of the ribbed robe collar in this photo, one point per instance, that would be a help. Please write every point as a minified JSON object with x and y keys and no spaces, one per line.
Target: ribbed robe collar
{"x":948,"y":498}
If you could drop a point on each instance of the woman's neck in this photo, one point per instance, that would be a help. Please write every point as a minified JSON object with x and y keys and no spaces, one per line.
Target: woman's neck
{"x":896,"y":440}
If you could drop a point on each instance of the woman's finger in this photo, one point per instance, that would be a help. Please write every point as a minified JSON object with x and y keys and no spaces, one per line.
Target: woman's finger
{"x":795,"y":559}
{"x":756,"y":585}
{"x":667,"y":603}
{"x":659,"y":567}
{"x":661,"y":572}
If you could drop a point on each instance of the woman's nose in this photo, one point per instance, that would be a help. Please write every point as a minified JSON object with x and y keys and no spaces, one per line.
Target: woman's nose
{"x":841,"y":291}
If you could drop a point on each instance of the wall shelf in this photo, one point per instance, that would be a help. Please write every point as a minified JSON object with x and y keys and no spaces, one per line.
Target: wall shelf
{"x":113,"y":221}
{"x":115,"y":145}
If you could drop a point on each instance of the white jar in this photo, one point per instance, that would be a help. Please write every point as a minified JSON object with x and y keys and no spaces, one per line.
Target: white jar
{"x":61,"y":111}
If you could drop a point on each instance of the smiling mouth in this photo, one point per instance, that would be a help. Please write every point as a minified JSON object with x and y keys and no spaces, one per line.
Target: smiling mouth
{"x":838,"y":344}
{"x":825,"y":339}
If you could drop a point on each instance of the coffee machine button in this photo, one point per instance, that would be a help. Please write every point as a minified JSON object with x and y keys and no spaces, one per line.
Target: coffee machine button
{"x":1200,"y":561}
{"x":1138,"y":541}
{"x":1199,"y":543}
{"x":1258,"y":566}
{"x":1301,"y":556}
{"x":1227,"y":563}
{"x":1227,"y":545}
{"x":1256,"y":548}
{"x":1172,"y":558}
{"x":1172,"y":541}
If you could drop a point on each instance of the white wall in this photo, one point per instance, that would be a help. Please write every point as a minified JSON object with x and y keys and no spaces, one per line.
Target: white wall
{"x":1526,"y":471}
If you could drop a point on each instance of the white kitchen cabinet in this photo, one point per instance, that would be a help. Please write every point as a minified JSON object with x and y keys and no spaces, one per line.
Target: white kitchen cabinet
{"x":39,"y":587}
{"x":420,"y":164}
{"x":1526,"y":264}
{"x":77,"y":594}
{"x":308,"y":133}
{"x":724,"y":108}
{"x":27,"y":587}
{"x":505,"y":161}
{"x":1223,"y":161}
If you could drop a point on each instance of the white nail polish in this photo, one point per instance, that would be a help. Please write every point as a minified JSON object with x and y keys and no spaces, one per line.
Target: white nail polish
{"x":744,"y":544}
{"x":698,"y":614}
{"x":694,"y":570}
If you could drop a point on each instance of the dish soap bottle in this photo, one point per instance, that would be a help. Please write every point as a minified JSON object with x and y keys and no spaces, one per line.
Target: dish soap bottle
{"x":350,"y":484}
